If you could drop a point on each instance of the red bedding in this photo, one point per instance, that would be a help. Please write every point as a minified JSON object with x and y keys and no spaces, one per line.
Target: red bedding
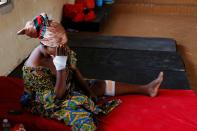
{"x":172,"y":110}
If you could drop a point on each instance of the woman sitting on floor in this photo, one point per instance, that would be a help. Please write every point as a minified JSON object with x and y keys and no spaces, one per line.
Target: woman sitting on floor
{"x":54,"y":86}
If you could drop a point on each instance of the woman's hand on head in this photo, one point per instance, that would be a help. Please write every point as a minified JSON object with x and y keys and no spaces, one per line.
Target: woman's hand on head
{"x":61,"y":50}
{"x":60,"y":60}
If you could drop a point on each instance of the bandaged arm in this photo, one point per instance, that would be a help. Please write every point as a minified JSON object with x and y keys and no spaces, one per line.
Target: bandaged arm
{"x":61,"y":76}
{"x":60,"y":62}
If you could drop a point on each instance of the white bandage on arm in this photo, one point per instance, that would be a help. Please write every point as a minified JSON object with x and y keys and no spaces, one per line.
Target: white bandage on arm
{"x":110,"y":88}
{"x":60,"y":62}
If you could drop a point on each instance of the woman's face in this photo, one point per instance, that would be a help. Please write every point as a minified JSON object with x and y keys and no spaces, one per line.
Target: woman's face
{"x":51,"y":51}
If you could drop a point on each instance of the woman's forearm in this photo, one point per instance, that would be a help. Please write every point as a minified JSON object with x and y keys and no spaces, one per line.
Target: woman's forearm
{"x":60,"y":86}
{"x":80,"y":80}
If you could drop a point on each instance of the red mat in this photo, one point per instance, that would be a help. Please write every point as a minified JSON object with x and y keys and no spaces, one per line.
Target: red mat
{"x":172,"y":110}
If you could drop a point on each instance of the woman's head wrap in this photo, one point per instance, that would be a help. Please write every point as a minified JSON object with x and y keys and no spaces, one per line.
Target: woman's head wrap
{"x":49,"y":32}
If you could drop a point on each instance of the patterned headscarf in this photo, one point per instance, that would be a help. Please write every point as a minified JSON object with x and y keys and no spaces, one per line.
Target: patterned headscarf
{"x":40,"y":23}
{"x":49,"y":32}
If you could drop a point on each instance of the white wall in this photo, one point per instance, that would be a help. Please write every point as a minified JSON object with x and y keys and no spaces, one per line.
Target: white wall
{"x":13,"y":48}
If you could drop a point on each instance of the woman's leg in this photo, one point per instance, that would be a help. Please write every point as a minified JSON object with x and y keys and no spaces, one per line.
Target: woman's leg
{"x":150,"y":89}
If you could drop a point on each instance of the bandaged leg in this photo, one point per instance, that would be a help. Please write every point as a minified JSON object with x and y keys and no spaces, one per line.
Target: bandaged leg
{"x":110,"y":88}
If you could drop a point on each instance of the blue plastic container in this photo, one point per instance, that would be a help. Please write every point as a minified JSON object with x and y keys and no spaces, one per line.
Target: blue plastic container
{"x":99,"y":3}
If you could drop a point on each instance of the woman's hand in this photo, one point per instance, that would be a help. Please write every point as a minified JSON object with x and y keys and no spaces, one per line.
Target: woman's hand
{"x":61,"y":50}
{"x":60,"y":59}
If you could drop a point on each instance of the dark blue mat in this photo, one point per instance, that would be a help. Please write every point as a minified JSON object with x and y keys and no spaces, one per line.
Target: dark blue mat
{"x":122,"y":42}
{"x":138,"y":62}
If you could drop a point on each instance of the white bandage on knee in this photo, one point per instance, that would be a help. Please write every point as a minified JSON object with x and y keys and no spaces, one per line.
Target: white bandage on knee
{"x":60,"y":62}
{"x":110,"y":88}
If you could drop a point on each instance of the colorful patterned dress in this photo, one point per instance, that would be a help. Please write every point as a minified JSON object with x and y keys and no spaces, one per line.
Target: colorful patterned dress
{"x":76,"y":110}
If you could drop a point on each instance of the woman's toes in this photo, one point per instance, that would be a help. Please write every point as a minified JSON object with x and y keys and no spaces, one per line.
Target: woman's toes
{"x":154,"y":87}
{"x":153,"y":92}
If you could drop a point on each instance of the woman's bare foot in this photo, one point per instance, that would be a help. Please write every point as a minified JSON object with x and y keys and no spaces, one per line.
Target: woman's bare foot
{"x":152,"y":87}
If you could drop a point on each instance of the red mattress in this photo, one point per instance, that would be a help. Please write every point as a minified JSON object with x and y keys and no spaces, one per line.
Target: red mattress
{"x":172,"y":110}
